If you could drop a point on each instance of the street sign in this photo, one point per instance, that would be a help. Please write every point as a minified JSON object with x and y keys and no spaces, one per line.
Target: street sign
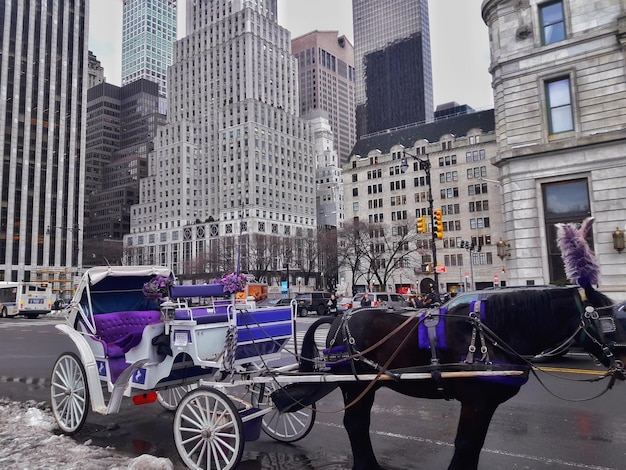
{"x":441,"y":269}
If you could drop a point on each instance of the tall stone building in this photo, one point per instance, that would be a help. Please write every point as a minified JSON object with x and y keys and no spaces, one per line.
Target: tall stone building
{"x":326,"y":81}
{"x":235,"y":166}
{"x":560,"y":104}
{"x":42,"y":116}
{"x":148,"y":34}
{"x":388,"y":199}
{"x":393,"y":67}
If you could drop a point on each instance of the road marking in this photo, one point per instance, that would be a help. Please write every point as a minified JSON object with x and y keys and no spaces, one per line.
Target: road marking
{"x":544,"y":460}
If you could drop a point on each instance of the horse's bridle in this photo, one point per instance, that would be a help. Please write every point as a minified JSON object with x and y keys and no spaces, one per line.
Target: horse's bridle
{"x":597,"y":327}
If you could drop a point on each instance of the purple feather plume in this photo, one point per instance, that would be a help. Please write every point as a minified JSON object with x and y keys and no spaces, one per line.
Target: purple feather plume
{"x":580,"y":262}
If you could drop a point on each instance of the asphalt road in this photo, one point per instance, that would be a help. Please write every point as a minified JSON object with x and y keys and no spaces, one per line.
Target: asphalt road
{"x":534,"y":430}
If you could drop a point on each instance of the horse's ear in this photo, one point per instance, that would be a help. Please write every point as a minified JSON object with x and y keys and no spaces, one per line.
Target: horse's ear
{"x":586,"y":225}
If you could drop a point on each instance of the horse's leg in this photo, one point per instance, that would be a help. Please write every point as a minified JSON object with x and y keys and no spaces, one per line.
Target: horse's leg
{"x":356,"y":420}
{"x":471,"y":432}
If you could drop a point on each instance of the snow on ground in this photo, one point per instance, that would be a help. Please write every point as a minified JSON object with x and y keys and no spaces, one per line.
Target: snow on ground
{"x":28,"y":440}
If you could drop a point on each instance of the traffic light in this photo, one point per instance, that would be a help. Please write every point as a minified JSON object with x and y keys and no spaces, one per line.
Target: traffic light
{"x":421,"y":224}
{"x":438,"y":228}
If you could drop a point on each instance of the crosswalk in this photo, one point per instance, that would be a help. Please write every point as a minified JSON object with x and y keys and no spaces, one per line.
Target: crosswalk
{"x":23,"y":322}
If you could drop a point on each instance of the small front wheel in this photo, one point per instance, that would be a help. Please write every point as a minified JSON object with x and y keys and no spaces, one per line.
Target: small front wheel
{"x":283,"y":427}
{"x":171,"y":397}
{"x":69,"y":395}
{"x":208,"y":430}
{"x":5,"y":313}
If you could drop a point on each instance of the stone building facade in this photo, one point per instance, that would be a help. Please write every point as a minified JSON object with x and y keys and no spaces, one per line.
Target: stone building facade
{"x":560,"y":110}
{"x":464,"y":187}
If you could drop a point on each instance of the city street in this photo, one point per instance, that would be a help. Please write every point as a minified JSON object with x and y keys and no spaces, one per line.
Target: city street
{"x":534,"y":430}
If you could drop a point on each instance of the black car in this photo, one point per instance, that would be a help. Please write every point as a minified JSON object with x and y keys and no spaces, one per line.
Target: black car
{"x":313,"y":302}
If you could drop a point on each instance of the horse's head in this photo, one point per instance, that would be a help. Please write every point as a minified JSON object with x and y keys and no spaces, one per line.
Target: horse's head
{"x":603,"y":335}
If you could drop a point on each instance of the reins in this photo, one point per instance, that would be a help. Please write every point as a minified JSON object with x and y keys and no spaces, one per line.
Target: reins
{"x":590,"y":315}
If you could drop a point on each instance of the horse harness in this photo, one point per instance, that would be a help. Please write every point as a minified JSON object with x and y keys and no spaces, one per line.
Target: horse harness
{"x":348,"y":352}
{"x":481,"y":337}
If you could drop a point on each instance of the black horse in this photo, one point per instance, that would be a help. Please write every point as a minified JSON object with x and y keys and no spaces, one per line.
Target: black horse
{"x":502,"y":332}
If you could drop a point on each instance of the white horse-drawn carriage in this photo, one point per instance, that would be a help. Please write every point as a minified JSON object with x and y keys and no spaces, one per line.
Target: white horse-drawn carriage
{"x":197,"y":360}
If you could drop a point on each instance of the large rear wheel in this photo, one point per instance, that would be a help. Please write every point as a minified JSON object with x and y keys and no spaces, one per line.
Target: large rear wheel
{"x":68,"y":393}
{"x":208,"y":430}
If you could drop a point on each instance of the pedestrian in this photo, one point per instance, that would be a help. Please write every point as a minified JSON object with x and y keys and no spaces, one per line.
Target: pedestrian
{"x":332,"y":305}
{"x":365,"y":301}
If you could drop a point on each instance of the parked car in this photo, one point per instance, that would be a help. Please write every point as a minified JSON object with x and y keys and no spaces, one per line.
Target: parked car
{"x":344,"y":304}
{"x":312,"y":302}
{"x":391,"y":300}
{"x":59,"y":304}
{"x":467,"y":298}
{"x":275,"y":302}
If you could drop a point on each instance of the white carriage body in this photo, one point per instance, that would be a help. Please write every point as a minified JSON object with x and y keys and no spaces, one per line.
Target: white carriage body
{"x":136,"y":344}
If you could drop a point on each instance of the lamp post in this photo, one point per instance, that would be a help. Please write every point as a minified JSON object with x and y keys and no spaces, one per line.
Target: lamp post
{"x":425,"y":163}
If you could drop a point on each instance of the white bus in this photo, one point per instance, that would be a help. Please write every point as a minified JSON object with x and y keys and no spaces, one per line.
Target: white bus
{"x":25,"y":298}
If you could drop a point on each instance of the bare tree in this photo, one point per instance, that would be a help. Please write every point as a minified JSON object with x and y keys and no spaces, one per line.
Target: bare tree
{"x":390,"y":247}
{"x":350,"y":250}
{"x":328,"y":260}
{"x":306,"y":256}
{"x":261,"y":249}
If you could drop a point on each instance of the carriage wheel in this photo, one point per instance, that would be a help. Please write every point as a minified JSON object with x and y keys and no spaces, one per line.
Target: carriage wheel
{"x":284,"y":427}
{"x":171,"y":397}
{"x":208,"y":430}
{"x":68,"y":393}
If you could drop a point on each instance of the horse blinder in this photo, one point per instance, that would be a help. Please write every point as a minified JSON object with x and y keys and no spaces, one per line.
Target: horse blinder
{"x":605,"y":325}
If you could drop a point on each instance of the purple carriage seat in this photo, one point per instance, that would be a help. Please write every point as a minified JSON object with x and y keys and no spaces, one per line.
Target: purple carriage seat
{"x":119,"y":332}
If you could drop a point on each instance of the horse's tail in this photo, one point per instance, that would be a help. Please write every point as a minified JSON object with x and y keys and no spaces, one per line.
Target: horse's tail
{"x":310,"y":352}
{"x":293,"y":397}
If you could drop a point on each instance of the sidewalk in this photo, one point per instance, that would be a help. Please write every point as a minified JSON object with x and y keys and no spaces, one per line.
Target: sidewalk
{"x":30,"y":440}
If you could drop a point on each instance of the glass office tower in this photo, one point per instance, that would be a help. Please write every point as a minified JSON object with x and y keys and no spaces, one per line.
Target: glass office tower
{"x":393,"y":67}
{"x":43,"y":72}
{"x":148,"y":36}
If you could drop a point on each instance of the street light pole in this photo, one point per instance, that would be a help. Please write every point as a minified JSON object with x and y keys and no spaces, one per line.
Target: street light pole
{"x":426,"y":165}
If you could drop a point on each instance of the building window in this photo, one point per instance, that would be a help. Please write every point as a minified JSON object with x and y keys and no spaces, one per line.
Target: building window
{"x":564,"y":202}
{"x":559,"y":103}
{"x":552,"y":22}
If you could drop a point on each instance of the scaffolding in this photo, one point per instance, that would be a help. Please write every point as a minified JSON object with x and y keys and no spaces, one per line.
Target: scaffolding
{"x":63,"y":280}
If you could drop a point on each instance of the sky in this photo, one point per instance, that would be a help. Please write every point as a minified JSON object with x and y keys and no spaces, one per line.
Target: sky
{"x":458,"y":35}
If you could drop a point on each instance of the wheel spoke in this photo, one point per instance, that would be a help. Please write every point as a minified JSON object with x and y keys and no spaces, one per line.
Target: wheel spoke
{"x":69,"y":394}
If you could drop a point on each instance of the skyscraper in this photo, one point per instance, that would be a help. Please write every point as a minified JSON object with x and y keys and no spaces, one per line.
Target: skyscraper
{"x":122,"y":124}
{"x":235,"y":163}
{"x":148,"y":35}
{"x":42,"y":113}
{"x":393,"y":67}
{"x":326,"y":79}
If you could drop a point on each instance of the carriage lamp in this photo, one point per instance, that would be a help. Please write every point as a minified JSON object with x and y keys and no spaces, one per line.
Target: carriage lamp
{"x":502,"y":249}
{"x":618,"y":240}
